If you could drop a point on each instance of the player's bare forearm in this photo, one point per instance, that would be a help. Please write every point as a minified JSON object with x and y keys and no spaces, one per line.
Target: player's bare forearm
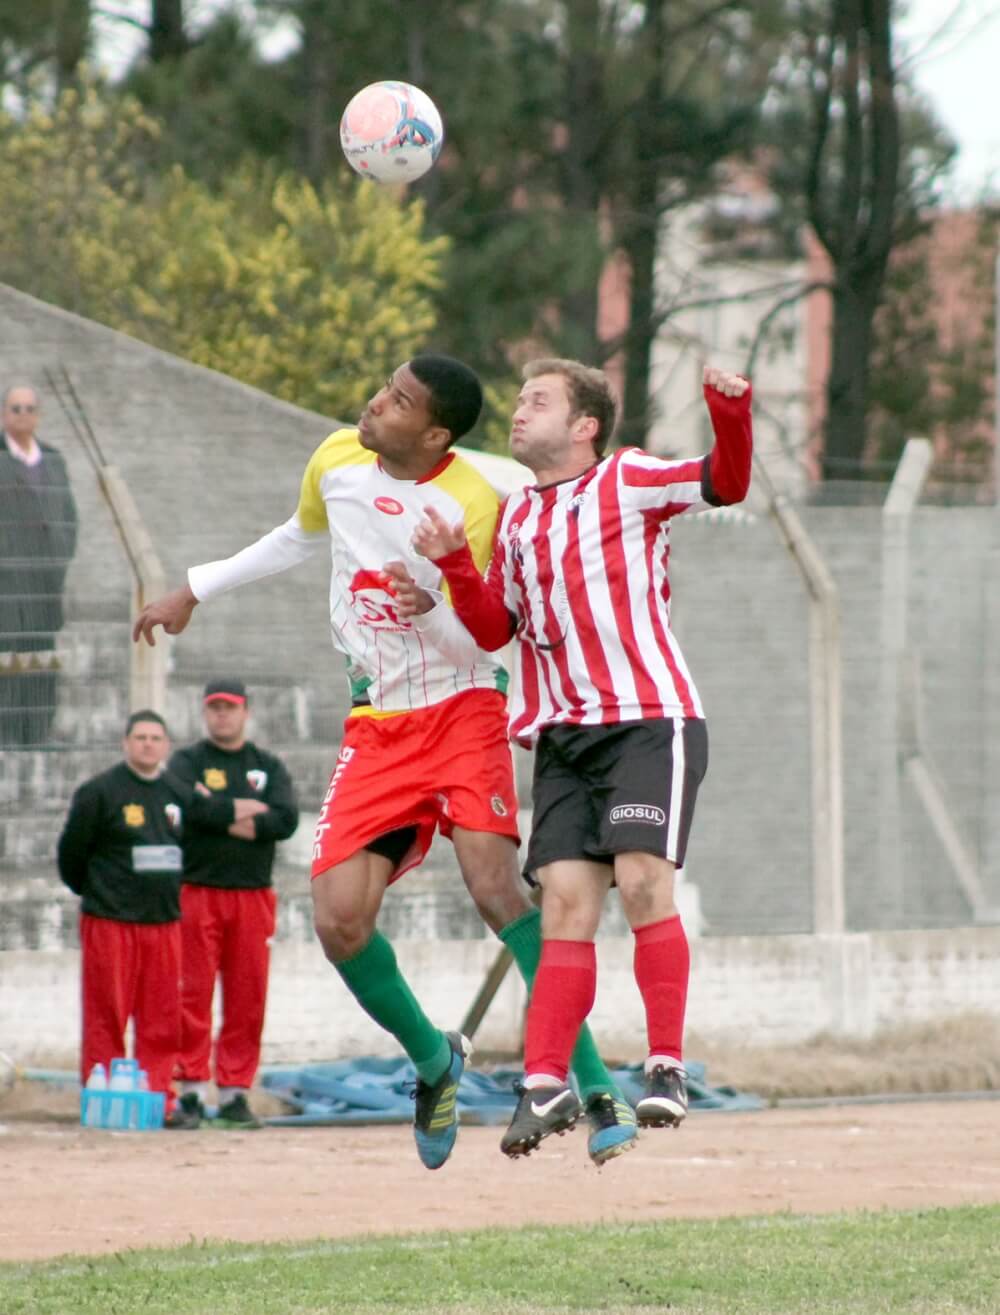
{"x":728,"y":397}
{"x":411,"y":600}
{"x":434,"y":537}
{"x":172,"y":612}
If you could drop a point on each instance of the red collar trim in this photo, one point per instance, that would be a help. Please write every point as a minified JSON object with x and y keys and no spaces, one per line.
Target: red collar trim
{"x":441,"y":466}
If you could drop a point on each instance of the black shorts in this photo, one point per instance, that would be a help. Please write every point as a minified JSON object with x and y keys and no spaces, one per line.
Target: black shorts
{"x":599,"y":791}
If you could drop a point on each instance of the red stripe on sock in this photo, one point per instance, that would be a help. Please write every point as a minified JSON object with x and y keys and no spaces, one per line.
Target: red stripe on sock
{"x":561,"y":999}
{"x":662,"y":967}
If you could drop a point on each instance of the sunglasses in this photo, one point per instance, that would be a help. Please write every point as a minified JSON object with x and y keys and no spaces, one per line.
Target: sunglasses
{"x":17,"y":409}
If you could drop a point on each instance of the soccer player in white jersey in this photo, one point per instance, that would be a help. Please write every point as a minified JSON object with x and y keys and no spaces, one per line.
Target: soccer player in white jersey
{"x":579,"y":577}
{"x":425,"y":746}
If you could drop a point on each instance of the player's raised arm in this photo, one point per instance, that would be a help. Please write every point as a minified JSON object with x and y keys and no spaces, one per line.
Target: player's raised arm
{"x":478,"y":603}
{"x":285,"y":546}
{"x":728,"y":398}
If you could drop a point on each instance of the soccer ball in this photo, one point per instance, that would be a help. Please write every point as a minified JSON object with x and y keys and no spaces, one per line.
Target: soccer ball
{"x":392,"y":132}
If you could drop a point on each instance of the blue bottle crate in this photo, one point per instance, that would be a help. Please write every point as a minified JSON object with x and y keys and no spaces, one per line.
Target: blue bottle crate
{"x":122,"y":1109}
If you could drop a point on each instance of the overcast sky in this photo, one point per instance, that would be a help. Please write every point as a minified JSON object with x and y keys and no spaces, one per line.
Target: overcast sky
{"x":956,"y":64}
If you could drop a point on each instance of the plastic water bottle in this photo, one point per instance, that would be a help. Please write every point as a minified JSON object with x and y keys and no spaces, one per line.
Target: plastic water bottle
{"x":121,"y":1080}
{"x":96,"y":1081}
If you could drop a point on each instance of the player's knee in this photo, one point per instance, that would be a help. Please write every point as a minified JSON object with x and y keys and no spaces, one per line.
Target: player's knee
{"x":499,"y":894}
{"x":647,"y":890}
{"x":342,"y":937}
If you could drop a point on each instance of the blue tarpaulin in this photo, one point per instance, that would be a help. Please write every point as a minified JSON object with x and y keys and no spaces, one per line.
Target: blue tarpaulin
{"x":381,"y":1091}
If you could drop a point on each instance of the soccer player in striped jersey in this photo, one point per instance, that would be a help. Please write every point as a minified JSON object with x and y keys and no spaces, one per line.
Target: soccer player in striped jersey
{"x":425,"y":746}
{"x":579,"y":577}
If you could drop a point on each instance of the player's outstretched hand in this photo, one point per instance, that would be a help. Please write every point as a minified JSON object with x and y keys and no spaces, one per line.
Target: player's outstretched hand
{"x":411,"y":600}
{"x":434,"y":537}
{"x":729,"y":385}
{"x":172,"y":612}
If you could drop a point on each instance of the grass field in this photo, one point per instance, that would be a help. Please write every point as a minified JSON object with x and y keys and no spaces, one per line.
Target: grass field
{"x":906,"y":1263}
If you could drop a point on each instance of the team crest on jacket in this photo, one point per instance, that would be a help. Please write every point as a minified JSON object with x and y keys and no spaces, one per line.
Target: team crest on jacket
{"x":215,"y":778}
{"x":173,"y":813}
{"x":134,"y":814}
{"x":257,"y":779}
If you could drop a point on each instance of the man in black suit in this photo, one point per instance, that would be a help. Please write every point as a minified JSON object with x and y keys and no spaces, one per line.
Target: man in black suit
{"x":38,"y":524}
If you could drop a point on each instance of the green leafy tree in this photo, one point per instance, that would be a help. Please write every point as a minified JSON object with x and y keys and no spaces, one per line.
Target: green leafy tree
{"x":856,"y":155}
{"x":311,"y":294}
{"x":568,"y":129}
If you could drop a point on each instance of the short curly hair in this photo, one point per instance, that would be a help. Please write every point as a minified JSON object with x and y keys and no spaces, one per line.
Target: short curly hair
{"x":456,"y":393}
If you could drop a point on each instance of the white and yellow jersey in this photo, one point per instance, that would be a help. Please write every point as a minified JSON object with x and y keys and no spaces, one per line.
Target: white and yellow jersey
{"x":368,"y":519}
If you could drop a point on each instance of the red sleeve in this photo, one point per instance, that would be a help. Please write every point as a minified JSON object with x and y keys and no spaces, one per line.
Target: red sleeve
{"x":478,"y":603}
{"x":730,"y":458}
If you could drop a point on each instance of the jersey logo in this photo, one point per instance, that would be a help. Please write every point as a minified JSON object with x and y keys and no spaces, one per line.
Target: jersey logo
{"x":134,"y":814}
{"x":173,"y":813}
{"x":257,"y":780}
{"x":215,"y":778}
{"x":389,"y":505}
{"x":498,"y":806}
{"x":514,"y":540}
{"x":373,"y":602}
{"x":639,"y":813}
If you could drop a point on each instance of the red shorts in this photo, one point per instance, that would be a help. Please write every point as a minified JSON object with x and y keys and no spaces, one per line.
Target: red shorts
{"x":444,"y":766}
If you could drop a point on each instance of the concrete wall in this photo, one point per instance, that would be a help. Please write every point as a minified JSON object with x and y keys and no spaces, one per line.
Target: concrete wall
{"x":752,"y":990}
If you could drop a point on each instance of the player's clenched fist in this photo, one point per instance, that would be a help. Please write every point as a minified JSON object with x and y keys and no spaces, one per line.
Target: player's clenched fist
{"x":730,"y":385}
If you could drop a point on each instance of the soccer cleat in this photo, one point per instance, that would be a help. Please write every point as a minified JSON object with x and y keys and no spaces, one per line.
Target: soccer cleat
{"x":540,"y":1111}
{"x":236,"y":1113}
{"x":613,"y":1128}
{"x":435,"y":1120}
{"x":186,"y":1115}
{"x":665,"y":1103}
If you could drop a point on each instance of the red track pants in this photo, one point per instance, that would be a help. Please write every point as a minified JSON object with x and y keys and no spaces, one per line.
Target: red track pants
{"x":131,"y":970}
{"x":224,"y":933}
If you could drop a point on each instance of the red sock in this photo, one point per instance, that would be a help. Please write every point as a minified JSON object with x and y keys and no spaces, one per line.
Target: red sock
{"x":662,"y":964}
{"x":561,"y":999}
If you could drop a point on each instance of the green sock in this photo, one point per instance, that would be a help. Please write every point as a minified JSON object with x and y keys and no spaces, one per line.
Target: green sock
{"x":373,"y":978}
{"x":523,"y":937}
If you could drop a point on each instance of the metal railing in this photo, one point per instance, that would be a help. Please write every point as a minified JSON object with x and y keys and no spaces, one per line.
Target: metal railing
{"x":148,"y":665}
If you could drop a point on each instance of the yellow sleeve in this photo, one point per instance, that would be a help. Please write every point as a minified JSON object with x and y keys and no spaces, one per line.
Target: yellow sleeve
{"x":311,"y":511}
{"x":480,"y":528}
{"x":480,"y":506}
{"x":342,"y":448}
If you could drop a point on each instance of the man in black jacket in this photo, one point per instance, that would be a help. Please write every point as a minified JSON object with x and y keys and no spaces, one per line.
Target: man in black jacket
{"x":120,"y":852}
{"x":243,"y":802}
{"x":38,"y":523}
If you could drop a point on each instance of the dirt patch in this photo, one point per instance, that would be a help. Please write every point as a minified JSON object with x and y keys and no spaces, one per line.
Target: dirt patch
{"x":960,"y":1054}
{"x":73,"y":1190}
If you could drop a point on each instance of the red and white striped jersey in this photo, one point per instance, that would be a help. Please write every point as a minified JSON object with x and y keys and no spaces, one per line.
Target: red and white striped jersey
{"x":584,"y":570}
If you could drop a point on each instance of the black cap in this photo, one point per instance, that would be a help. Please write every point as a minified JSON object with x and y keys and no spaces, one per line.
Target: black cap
{"x":226,"y":691}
